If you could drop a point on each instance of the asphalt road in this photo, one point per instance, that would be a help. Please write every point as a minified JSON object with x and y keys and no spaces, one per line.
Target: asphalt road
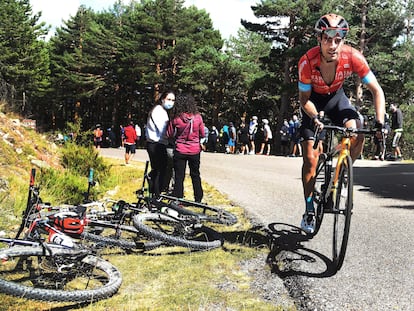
{"x":378,"y":272}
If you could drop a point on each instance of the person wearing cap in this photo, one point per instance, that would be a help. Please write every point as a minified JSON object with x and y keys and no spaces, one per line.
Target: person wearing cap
{"x":252,"y":133}
{"x":322,"y":71}
{"x":267,"y":138}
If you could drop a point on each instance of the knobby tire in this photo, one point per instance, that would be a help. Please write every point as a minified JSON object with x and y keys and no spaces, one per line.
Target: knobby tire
{"x":31,"y":272}
{"x":174,"y":232}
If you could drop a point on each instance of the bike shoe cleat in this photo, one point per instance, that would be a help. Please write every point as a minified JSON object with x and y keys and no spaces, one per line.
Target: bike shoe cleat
{"x":308,"y":223}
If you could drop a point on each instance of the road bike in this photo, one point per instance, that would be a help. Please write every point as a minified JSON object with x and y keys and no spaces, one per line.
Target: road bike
{"x":333,"y":189}
{"x":177,"y":221}
{"x":48,"y":265}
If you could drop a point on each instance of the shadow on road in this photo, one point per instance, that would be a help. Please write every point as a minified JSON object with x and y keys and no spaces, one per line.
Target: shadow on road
{"x":288,"y":257}
{"x":394,"y":181}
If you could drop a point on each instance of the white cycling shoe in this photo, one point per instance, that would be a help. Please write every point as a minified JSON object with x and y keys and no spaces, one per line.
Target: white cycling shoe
{"x":308,"y":223}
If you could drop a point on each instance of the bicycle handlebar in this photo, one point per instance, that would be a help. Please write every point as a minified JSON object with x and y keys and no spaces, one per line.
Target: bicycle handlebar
{"x":343,"y":130}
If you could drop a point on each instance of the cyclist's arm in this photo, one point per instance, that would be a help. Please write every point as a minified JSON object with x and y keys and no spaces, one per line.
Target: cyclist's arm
{"x":377,"y":96}
{"x":307,"y":106}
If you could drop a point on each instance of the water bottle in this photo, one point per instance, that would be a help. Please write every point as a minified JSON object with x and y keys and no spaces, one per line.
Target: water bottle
{"x":60,"y":239}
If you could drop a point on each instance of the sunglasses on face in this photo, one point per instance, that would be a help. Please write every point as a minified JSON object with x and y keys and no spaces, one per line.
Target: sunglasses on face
{"x":332,"y":33}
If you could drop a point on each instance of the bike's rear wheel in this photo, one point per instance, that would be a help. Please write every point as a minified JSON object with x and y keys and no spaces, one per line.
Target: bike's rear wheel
{"x":342,"y":212}
{"x":56,"y":274}
{"x":176,"y":232}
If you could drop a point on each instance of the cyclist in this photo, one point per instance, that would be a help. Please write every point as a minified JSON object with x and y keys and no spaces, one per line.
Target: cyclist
{"x":322,"y":71}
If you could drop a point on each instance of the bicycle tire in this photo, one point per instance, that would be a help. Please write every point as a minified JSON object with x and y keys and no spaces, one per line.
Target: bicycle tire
{"x":175,"y":232}
{"x":205,"y":212}
{"x":36,"y":275}
{"x":124,"y":237}
{"x":342,"y":212}
{"x":319,"y":191}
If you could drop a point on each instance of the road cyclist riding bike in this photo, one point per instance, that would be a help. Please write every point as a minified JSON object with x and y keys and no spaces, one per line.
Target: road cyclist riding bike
{"x":322,"y":72}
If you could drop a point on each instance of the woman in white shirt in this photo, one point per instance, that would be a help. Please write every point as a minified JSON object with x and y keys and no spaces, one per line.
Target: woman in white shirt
{"x":157,"y":141}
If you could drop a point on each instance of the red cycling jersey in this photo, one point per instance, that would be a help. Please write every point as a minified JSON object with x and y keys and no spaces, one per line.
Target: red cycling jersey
{"x":350,"y":61}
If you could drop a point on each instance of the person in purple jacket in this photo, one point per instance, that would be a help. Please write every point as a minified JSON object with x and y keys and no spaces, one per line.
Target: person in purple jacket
{"x":186,"y":127}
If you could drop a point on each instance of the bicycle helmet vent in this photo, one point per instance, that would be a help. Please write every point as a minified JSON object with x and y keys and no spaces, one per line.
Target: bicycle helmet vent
{"x":332,"y":25}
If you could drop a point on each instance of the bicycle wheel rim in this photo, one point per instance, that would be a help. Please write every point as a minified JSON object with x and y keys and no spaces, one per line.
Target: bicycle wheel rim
{"x":342,"y":213}
{"x":169,"y":230}
{"x":29,"y":273}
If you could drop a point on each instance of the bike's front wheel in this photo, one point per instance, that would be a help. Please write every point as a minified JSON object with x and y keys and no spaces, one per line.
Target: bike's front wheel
{"x":56,"y":274}
{"x":342,"y":212}
{"x":321,"y":181}
{"x":176,"y":232}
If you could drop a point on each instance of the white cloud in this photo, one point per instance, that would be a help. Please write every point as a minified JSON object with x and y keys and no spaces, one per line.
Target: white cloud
{"x":226,"y":14}
{"x":54,"y":11}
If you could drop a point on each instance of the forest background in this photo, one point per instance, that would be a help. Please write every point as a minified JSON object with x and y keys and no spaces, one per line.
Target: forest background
{"x":105,"y":67}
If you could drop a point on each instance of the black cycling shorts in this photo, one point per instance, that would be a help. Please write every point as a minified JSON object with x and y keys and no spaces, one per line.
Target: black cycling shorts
{"x":337,"y":108}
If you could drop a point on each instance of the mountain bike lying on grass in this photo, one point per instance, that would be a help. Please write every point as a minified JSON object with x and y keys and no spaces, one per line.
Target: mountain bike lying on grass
{"x":177,"y":221}
{"x":59,"y":269}
{"x":333,"y":189}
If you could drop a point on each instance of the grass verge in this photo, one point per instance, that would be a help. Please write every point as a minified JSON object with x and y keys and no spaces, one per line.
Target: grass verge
{"x":173,"y":278}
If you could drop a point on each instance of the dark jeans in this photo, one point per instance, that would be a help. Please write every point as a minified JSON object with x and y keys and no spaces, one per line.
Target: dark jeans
{"x":158,"y":158}
{"x":180,"y":163}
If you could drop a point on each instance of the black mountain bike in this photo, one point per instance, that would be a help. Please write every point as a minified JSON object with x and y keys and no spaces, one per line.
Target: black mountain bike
{"x":177,"y":221}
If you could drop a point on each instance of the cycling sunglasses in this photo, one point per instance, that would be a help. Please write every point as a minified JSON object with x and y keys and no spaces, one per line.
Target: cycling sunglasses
{"x":334,"y":32}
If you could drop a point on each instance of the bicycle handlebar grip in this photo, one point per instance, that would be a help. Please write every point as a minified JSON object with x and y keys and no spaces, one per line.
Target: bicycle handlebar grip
{"x":316,"y":136}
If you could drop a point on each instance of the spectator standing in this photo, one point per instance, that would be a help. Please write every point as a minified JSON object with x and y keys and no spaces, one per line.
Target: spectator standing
{"x":129,"y":141}
{"x":187,"y":128}
{"x":294,"y":126}
{"x":397,"y":129}
{"x":122,"y":135}
{"x":213,"y":139}
{"x":224,"y":138}
{"x":139,"y":133}
{"x":232,"y":138}
{"x":97,"y":137}
{"x":204,"y":140}
{"x":284,"y":137}
{"x":243,"y":134}
{"x":111,"y":137}
{"x":155,"y":133}
{"x":267,"y":138}
{"x":253,"y":125}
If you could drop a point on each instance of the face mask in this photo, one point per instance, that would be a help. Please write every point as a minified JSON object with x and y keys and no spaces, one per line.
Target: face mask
{"x":167,"y":104}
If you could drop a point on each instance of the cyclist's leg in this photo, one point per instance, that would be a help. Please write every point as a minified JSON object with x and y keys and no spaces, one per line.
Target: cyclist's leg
{"x":343,"y":113}
{"x":310,"y":161}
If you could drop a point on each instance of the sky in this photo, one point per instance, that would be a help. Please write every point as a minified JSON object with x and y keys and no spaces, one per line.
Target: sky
{"x":225,"y":14}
